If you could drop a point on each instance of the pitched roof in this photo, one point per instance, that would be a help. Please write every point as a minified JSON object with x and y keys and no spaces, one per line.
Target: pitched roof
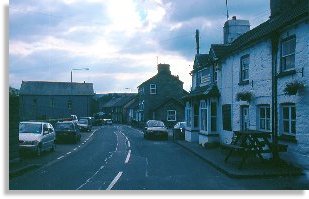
{"x":270,"y":26}
{"x":158,"y":75}
{"x":218,"y":51}
{"x":55,"y":88}
{"x":202,"y":60}
{"x":265,"y":29}
{"x":120,"y":100}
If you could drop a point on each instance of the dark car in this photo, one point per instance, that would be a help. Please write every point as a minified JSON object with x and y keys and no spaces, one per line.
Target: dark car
{"x":84,"y":124}
{"x":98,"y":119}
{"x":155,"y":129}
{"x":179,"y":131}
{"x":67,"y":130}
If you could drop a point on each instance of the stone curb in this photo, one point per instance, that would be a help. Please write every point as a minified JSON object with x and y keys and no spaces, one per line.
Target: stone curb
{"x":233,"y":175}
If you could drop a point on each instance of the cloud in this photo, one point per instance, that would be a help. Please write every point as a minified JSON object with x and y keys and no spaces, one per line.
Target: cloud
{"x":120,"y":40}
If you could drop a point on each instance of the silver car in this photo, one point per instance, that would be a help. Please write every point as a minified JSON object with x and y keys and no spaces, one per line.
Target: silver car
{"x":155,"y":129}
{"x":36,"y":137}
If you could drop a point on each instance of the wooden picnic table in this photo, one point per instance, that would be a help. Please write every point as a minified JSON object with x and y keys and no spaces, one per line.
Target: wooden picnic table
{"x":250,"y":142}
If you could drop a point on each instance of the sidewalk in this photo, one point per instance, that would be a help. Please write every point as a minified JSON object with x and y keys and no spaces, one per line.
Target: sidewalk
{"x":253,"y":167}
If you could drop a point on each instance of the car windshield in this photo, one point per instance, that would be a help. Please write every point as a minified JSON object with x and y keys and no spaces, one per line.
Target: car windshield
{"x":64,"y":127}
{"x":83,"y":121}
{"x":154,"y":123}
{"x":30,"y":128}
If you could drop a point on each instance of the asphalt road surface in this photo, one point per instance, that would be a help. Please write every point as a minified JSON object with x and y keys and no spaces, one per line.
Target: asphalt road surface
{"x":118,"y":158}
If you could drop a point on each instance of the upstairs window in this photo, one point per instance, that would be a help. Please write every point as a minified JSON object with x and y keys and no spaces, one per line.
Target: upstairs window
{"x":171,"y":115}
{"x":288,"y":53}
{"x":70,"y":104}
{"x":244,"y":68}
{"x":141,"y":90}
{"x":153,"y":89}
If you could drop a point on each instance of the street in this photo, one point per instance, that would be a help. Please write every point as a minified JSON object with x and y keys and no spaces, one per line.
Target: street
{"x":117,"y":157}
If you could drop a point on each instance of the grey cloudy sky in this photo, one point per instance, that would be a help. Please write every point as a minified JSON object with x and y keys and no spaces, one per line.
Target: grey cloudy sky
{"x":119,"y":40}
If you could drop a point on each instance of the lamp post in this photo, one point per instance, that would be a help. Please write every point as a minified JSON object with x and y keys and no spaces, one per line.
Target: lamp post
{"x":77,"y":69}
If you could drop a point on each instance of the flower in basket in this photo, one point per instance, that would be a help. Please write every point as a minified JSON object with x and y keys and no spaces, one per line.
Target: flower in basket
{"x":293,"y":87}
{"x":244,"y":96}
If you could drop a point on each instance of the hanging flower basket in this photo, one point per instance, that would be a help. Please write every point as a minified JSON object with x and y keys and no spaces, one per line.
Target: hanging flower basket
{"x":244,"y":96}
{"x":293,"y":87}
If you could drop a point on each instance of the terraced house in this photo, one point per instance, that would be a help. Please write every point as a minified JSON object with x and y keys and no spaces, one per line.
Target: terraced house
{"x":262,"y":80}
{"x":160,"y":97}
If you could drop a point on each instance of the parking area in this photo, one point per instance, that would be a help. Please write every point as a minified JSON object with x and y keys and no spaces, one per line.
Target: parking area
{"x":63,"y":149}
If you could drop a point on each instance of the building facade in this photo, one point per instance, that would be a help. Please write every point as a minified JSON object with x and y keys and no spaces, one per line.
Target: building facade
{"x":50,"y":100}
{"x":262,"y":78}
{"x":159,"y":97}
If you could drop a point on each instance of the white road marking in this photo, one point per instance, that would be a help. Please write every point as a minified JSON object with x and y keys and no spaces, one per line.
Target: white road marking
{"x":114,"y":181}
{"x":128,"y":157}
{"x":129,"y":145}
{"x":75,"y":149}
{"x":69,"y":153}
{"x":60,"y":157}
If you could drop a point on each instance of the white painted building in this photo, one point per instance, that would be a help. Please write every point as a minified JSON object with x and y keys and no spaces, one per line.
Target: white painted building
{"x":248,"y":87}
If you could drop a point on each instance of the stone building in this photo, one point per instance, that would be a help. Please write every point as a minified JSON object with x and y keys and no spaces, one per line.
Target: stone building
{"x":49,"y":100}
{"x":159,"y":97}
{"x":256,"y":74}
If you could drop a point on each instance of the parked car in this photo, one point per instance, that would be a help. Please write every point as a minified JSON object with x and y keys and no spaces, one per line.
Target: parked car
{"x":155,"y":129}
{"x":84,"y":124}
{"x":36,"y":137}
{"x":179,"y":130}
{"x":108,"y":121}
{"x":74,"y":119}
{"x":67,"y":129}
{"x":98,"y":118}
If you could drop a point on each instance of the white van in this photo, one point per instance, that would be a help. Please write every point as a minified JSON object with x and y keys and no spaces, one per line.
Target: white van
{"x":36,"y":137}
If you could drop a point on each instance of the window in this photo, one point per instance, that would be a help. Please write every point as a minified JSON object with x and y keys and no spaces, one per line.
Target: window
{"x":244,"y":68}
{"x":264,"y":118}
{"x":171,"y":115}
{"x":70,"y":104}
{"x":141,"y":90}
{"x":215,"y":75}
{"x":153,"y":89}
{"x":188,"y":114}
{"x":196,"y":115}
{"x":213,"y":115}
{"x":203,"y":117}
{"x":289,"y":119}
{"x":52,"y":103}
{"x":288,"y":53}
{"x":226,"y":117}
{"x":141,"y":105}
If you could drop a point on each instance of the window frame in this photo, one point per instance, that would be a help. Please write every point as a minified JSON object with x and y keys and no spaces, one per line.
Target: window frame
{"x":227,"y":119}
{"x":153,"y":90}
{"x":283,"y":66}
{"x":203,"y":109}
{"x":242,"y":68}
{"x":289,"y":120}
{"x":188,"y":114}
{"x":266,"y":120}
{"x":174,"y":115}
{"x":69,"y":104}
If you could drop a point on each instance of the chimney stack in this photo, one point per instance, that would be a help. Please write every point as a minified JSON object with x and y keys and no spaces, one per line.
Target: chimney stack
{"x":234,"y":28}
{"x":164,"y":69}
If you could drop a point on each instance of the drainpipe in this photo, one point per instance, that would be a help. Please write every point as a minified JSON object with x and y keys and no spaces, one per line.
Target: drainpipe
{"x":274,"y":100}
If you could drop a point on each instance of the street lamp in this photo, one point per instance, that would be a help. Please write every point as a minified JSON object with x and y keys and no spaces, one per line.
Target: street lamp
{"x":77,"y":69}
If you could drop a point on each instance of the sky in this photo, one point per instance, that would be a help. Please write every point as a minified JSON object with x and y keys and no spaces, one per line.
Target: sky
{"x":120,"y":41}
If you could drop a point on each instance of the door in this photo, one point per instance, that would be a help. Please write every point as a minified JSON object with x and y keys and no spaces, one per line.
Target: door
{"x":244,"y":118}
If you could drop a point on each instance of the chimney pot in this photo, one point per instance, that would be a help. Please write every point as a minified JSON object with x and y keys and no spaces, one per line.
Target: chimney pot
{"x":234,"y":17}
